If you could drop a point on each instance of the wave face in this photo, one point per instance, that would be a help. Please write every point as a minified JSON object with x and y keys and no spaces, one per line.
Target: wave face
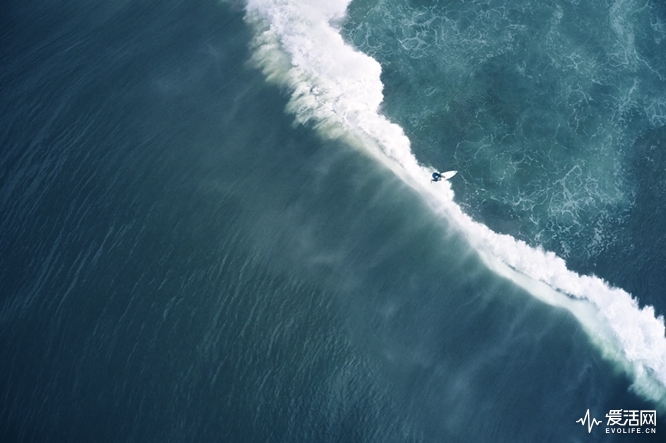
{"x":540,"y":119}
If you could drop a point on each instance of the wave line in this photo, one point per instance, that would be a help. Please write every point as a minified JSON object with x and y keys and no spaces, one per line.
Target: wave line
{"x":339,"y":90}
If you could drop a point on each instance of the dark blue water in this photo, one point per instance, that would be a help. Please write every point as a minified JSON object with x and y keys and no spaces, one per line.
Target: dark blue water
{"x":180,"y":262}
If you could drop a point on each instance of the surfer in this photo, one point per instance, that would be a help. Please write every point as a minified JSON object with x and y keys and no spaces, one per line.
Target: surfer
{"x":439,"y":176}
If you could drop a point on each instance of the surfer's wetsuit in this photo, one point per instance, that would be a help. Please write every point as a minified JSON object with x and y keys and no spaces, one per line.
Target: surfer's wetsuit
{"x":436,"y":176}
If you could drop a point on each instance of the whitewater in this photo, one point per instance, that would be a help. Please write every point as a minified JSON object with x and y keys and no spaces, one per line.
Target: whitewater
{"x":338,"y":90}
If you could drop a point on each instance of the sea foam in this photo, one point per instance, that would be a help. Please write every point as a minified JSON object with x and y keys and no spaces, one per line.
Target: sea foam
{"x":338,"y":90}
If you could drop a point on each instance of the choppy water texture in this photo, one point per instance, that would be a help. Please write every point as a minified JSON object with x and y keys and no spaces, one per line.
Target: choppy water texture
{"x":553,"y":112}
{"x":205,"y":239}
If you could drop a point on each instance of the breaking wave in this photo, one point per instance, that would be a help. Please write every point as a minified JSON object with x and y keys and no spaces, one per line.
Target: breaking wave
{"x":338,"y":90}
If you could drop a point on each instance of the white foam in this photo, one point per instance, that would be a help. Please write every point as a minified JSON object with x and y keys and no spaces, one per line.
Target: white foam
{"x":339,"y":90}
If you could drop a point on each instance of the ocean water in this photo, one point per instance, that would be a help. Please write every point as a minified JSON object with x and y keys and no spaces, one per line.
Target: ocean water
{"x":217,"y":224}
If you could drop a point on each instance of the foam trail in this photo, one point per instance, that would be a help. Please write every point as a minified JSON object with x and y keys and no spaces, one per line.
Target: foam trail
{"x":339,"y":90}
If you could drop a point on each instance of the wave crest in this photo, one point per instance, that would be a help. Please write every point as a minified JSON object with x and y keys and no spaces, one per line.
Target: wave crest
{"x":339,"y":91}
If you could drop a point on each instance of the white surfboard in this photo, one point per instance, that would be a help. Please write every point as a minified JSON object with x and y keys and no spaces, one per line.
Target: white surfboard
{"x":448,"y":174}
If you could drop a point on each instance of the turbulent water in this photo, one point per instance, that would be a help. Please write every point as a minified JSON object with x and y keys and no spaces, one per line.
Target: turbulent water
{"x":218,"y":222}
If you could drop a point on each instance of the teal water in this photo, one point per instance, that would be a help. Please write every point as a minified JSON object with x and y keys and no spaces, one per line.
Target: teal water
{"x":182,"y":261}
{"x":554,"y":113}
